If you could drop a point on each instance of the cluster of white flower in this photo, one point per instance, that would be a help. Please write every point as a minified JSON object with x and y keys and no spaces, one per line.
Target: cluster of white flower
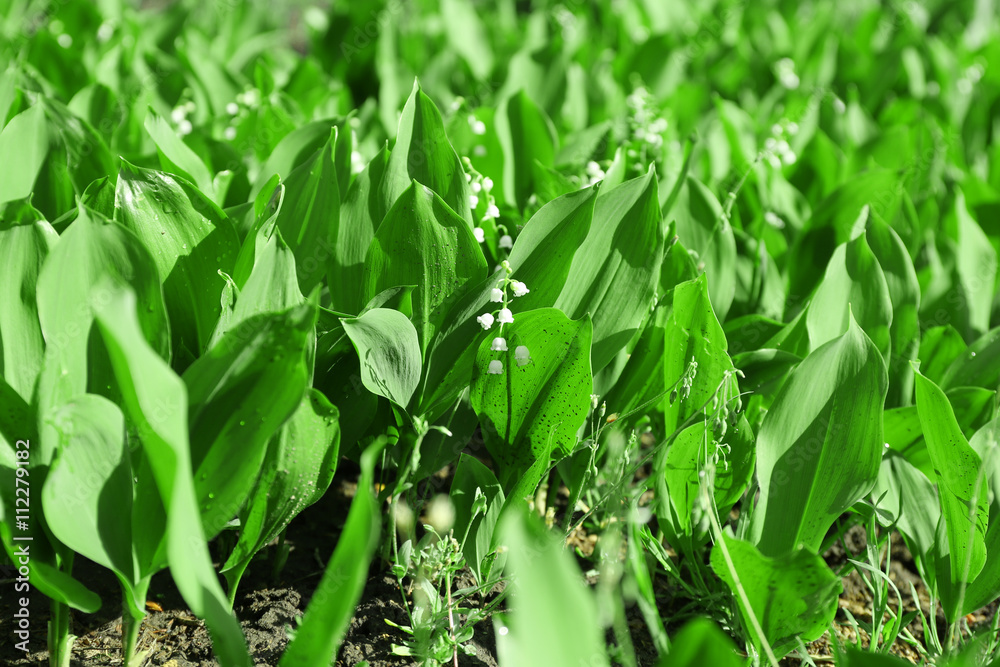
{"x":777,"y":150}
{"x":499,"y":295}
{"x":784,"y":69}
{"x":179,"y":116}
{"x":969,"y":78}
{"x":481,"y":188}
{"x":646,"y":127}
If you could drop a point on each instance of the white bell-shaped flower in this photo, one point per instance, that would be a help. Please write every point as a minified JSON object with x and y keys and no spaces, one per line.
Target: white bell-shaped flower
{"x":479,"y":234}
{"x":519,"y":288}
{"x":496,"y":295}
{"x":496,"y":367}
{"x":522,"y":355}
{"x":505,"y":316}
{"x":492,"y":212}
{"x":499,"y":345}
{"x":485,"y":320}
{"x":506,"y":242}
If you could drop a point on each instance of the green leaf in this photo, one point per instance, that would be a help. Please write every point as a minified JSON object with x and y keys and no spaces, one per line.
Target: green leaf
{"x":986,"y":586}
{"x":468,"y":36}
{"x":476,"y":530}
{"x":695,"y":343}
{"x":387,"y":346}
{"x":703,"y":230}
{"x":939,"y":348}
{"x":793,"y":595}
{"x":296,"y":148}
{"x":239,"y":394}
{"x":976,"y":263}
{"x":72,"y":284}
{"x":962,"y":492}
{"x":701,"y":642}
{"x":155,"y":401}
{"x":422,"y":242}
{"x":820,"y":444}
{"x":309,"y":218}
{"x":526,"y":134}
{"x":361,"y":213}
{"x":325,"y":621}
{"x":539,"y":401}
{"x":25,"y":241}
{"x":295,"y":473}
{"x":978,"y":366}
{"x":541,"y":258}
{"x":191,"y":240}
{"x":554,"y":619}
{"x":87,"y":496}
{"x":176,"y":157}
{"x":27,"y":137}
{"x":423,"y":153}
{"x":853,"y":285}
{"x":911,"y":501}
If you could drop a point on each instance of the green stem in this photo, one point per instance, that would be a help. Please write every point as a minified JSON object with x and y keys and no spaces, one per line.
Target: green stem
{"x":60,"y":642}
{"x":132,"y":620}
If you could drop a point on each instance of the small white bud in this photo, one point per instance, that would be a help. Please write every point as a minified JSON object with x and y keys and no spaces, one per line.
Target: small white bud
{"x":496,"y":367}
{"x":479,"y":234}
{"x":506,"y":242}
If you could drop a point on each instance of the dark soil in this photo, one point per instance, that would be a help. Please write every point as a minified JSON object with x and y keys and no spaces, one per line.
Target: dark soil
{"x":266,"y":607}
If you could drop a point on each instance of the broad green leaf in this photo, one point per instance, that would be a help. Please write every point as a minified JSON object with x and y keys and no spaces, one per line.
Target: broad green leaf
{"x":833,"y":222}
{"x":155,"y":401}
{"x":239,"y":394}
{"x":793,"y":595}
{"x":422,"y":242}
{"x":939,"y":348}
{"x":468,"y":36}
{"x":703,"y":229}
{"x":540,"y":397}
{"x":423,"y":153}
{"x":19,"y":441}
{"x":911,"y":502}
{"x":614,"y":272}
{"x":310,"y":214}
{"x":541,"y":258}
{"x":176,"y":157}
{"x":387,"y":346}
{"x":72,"y":285}
{"x":695,"y":348}
{"x":361,"y":212}
{"x":297,"y":147}
{"x":853,"y":285}
{"x":554,"y":617}
{"x":858,"y":658}
{"x":474,"y":526}
{"x":27,"y":137}
{"x":985,"y":588}
{"x":295,"y":473}
{"x":272,"y":285}
{"x":904,"y":293}
{"x":962,"y":492}
{"x":819,"y":447}
{"x":526,"y":134}
{"x":25,"y":241}
{"x":642,"y":378}
{"x":701,"y":642}
{"x":326,"y":619}
{"x":87,"y":496}
{"x":191,"y":240}
{"x":692,"y":452}
{"x":976,"y":264}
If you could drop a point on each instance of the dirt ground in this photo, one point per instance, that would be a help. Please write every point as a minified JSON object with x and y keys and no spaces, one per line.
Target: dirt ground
{"x":267,"y":607}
